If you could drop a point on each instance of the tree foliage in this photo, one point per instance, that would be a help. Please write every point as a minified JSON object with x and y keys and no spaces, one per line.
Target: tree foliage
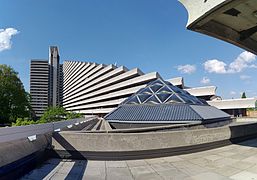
{"x":14,"y":101}
{"x":53,"y":114}
{"x":73,"y":115}
{"x":24,"y":122}
{"x":243,"y":95}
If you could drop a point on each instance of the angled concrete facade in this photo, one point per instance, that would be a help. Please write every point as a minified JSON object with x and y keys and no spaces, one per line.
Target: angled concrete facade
{"x":91,"y":88}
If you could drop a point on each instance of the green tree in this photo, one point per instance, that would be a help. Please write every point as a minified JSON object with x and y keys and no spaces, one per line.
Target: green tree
{"x":243,"y":95}
{"x":53,"y":114}
{"x":14,"y":101}
{"x":24,"y":122}
{"x":73,"y":115}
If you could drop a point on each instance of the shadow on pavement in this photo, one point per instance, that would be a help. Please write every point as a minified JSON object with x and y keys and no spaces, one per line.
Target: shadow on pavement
{"x":42,"y":171}
{"x":79,"y":167}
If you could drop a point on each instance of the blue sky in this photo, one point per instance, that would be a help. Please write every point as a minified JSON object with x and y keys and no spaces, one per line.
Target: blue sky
{"x":149,"y":34}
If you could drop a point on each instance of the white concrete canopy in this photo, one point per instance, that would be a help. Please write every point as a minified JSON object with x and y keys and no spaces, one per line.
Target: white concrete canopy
{"x":202,"y":91}
{"x":234,"y":103}
{"x":233,"y":21}
{"x":177,"y":81}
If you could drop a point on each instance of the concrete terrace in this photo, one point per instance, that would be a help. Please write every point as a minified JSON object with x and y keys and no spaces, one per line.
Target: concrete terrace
{"x":236,"y":161}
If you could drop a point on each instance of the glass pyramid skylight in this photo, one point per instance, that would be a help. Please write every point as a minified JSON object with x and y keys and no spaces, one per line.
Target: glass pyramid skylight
{"x":162,"y":92}
{"x":160,"y":103}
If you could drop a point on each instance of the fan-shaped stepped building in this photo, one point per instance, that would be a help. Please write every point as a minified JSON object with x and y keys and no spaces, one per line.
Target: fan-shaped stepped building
{"x":97,"y":89}
{"x":91,"y":88}
{"x":162,"y":103}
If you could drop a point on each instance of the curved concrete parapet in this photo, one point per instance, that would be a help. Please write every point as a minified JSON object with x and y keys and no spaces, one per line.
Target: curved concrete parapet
{"x":228,"y":20}
{"x":121,"y":146}
{"x":19,"y":156}
{"x":21,"y":148}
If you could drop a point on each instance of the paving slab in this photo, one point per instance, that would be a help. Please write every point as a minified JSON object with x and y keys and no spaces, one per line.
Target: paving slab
{"x":134,"y":163}
{"x":173,"y":159}
{"x":224,"y":162}
{"x":148,"y":176}
{"x":251,"y":159}
{"x":96,"y":163}
{"x":117,"y":164}
{"x":242,"y":165}
{"x":252,"y":169}
{"x":173,"y":174}
{"x":162,"y":167}
{"x":244,"y":175}
{"x":189,"y":168}
{"x":237,"y":161}
{"x":95,"y":173}
{"x":227,"y":171}
{"x":155,"y":161}
{"x":141,"y":170}
{"x":212,"y":157}
{"x":119,"y":174}
{"x":209,"y":176}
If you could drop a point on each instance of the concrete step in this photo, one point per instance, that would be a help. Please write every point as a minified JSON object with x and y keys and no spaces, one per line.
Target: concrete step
{"x":90,"y":126}
{"x":105,"y":125}
{"x":97,"y":125}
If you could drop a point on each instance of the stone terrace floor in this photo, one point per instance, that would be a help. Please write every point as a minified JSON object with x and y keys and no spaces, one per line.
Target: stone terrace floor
{"x":237,"y":161}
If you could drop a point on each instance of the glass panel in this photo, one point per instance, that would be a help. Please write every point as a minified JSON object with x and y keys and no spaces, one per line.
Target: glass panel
{"x":187,"y":99}
{"x":168,"y":83}
{"x":152,"y":100}
{"x":155,"y":88}
{"x":133,"y":100}
{"x":158,"y":82}
{"x":146,"y":91}
{"x":174,"y":99}
{"x":143,"y":97}
{"x":176,"y":89}
{"x":127,"y":100}
{"x":163,"y":97}
{"x":196,"y":100}
{"x":165,"y":90}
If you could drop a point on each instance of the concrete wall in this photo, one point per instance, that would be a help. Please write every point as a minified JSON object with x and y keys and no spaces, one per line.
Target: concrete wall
{"x":150,"y":144}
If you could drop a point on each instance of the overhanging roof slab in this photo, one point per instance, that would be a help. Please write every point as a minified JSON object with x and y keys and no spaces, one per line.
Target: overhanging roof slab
{"x":234,"y":103}
{"x":233,"y":21}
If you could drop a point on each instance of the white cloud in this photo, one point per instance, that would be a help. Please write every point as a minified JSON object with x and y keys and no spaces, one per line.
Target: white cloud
{"x":243,"y":61}
{"x":232,"y":93}
{"x":5,"y":38}
{"x":205,"y":80}
{"x":215,"y":66}
{"x":186,"y":69}
{"x":245,"y":77}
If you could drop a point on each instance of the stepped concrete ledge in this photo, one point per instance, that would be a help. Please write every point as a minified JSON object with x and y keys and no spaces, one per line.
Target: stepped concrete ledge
{"x":122,"y":146}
